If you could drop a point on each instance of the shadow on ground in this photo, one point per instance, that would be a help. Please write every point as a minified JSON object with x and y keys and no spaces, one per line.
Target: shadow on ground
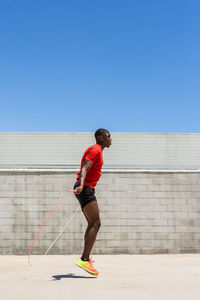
{"x":70,"y":275}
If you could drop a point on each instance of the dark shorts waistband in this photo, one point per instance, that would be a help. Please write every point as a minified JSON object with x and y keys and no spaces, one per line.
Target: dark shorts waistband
{"x":86,"y":196}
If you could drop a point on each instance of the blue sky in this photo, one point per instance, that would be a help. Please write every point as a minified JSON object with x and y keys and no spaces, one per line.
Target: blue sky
{"x":128,"y":66}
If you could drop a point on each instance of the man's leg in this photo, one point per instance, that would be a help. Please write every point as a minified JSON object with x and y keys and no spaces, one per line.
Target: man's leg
{"x":91,"y":212}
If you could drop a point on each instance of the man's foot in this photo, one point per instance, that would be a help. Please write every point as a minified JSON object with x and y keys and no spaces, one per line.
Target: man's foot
{"x":87,"y":266}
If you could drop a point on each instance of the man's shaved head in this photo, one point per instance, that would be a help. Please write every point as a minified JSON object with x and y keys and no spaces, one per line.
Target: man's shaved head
{"x":100,"y":132}
{"x":103,"y":137}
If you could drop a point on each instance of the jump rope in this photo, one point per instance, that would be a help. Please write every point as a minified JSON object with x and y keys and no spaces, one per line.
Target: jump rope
{"x":68,"y":221}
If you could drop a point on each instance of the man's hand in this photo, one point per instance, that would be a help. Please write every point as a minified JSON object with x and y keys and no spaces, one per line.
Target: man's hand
{"x":78,"y":189}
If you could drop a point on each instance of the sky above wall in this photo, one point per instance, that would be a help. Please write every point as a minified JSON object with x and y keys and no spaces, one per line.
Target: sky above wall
{"x":128,"y":66}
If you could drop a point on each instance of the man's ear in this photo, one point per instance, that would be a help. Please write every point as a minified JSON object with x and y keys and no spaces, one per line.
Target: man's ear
{"x":101,"y":138}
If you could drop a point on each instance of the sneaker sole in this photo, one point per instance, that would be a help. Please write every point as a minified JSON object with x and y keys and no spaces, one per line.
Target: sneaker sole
{"x":95,"y":274}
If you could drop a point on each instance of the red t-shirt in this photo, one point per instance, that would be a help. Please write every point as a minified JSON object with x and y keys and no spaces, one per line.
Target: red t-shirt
{"x":93,"y":154}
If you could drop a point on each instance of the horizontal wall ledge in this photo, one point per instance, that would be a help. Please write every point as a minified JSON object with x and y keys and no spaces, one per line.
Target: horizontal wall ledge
{"x":103,"y":170}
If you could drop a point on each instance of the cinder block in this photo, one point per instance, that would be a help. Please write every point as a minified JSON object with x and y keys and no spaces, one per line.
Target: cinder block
{"x":106,"y":181}
{"x":174,"y":208}
{"x":6,"y":243}
{"x":6,"y":222}
{"x":166,"y":229}
{"x":144,"y":235}
{"x":119,"y":188}
{"x":160,"y":222}
{"x":160,"y":188}
{"x":6,"y":207}
{"x":141,"y":222}
{"x":173,"y":201}
{"x":6,"y":228}
{"x":106,"y":194}
{"x":143,"y":195}
{"x":144,"y":229}
{"x":140,"y":187}
{"x":123,"y":181}
{"x":7,"y":187}
{"x":8,"y":194}
{"x":113,"y":243}
{"x":5,"y":215}
{"x":5,"y":201}
{"x":195,"y":236}
{"x":108,"y":175}
{"x":160,"y":180}
{"x":3,"y":178}
{"x":174,"y":236}
{"x":183,"y":188}
{"x":168,"y":195}
{"x":161,"y":208}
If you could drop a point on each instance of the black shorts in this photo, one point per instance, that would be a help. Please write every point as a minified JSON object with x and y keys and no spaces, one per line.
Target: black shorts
{"x":86,"y":196}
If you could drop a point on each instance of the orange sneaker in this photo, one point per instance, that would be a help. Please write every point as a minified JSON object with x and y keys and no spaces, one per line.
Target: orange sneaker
{"x":87,"y":266}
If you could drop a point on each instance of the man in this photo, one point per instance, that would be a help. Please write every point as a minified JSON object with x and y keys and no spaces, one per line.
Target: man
{"x":87,"y":179}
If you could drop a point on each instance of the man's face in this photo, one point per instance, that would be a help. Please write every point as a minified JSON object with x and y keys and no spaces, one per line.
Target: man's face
{"x":106,"y":140}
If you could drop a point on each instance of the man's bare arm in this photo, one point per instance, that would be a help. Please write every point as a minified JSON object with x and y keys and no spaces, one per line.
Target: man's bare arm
{"x":85,"y":168}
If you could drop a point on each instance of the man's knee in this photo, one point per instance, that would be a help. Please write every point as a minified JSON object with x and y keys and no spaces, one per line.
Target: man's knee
{"x":96,"y":223}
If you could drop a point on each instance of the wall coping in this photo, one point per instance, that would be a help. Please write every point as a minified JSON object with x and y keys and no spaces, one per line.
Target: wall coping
{"x":37,"y":170}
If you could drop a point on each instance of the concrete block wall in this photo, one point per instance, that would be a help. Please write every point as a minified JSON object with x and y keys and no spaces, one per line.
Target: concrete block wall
{"x":141,"y":213}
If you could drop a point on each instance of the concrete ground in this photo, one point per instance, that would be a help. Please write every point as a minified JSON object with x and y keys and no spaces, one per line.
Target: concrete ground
{"x":139,"y":277}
